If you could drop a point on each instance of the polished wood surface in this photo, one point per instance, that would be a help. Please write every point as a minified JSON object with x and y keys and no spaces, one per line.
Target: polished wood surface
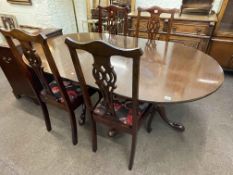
{"x":221,"y":49}
{"x":221,"y":44}
{"x":153,"y":23}
{"x":11,"y":67}
{"x":197,"y":6}
{"x":169,"y":72}
{"x":116,"y":19}
{"x":189,"y":30}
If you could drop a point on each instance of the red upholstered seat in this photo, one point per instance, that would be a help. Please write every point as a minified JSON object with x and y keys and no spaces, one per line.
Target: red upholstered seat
{"x":72,"y":88}
{"x":123,"y":109}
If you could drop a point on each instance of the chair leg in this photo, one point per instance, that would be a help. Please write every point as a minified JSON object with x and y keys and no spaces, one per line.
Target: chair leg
{"x":94,"y":135}
{"x":46,"y":115}
{"x":82,"y":118}
{"x":133,"y":149}
{"x":148,"y":127}
{"x":73,"y":127}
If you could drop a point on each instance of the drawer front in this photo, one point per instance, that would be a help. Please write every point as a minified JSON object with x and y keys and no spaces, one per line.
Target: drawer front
{"x":185,"y":27}
{"x":196,"y":43}
{"x":191,"y":28}
{"x":222,"y":51}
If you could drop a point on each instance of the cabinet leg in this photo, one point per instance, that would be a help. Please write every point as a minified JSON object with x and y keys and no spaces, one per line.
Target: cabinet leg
{"x":17,"y":96}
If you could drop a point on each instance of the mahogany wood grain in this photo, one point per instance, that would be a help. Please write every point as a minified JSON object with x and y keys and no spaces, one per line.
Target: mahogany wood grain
{"x":169,"y":72}
{"x":153,"y":24}
{"x":117,"y":19}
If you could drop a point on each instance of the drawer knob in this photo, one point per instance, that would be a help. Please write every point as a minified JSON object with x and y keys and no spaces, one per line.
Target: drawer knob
{"x":7,"y":59}
{"x":198,"y":31}
{"x":174,"y":29}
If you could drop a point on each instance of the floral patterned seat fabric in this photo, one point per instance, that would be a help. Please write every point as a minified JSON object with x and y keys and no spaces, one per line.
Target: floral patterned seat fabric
{"x":72,"y":88}
{"x":123,"y":110}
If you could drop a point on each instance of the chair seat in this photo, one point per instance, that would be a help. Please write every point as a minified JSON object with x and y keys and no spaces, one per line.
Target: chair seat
{"x":73,"y":90}
{"x":123,"y":109}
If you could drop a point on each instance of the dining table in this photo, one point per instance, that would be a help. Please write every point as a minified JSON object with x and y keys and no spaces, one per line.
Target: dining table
{"x":170,"y":72}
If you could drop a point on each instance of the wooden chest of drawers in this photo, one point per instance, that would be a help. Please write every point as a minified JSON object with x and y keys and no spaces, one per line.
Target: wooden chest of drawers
{"x":18,"y":75}
{"x":190,"y":30}
{"x":222,"y":50}
{"x":20,"y":85}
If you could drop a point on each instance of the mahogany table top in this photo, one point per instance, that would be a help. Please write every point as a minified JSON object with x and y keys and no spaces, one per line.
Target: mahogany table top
{"x":169,"y":72}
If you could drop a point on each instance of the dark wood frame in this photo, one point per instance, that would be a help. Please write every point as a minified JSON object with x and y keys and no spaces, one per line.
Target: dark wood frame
{"x":23,"y":2}
{"x":8,"y":21}
{"x":153,"y":24}
{"x":193,"y":6}
{"x":113,"y":12}
{"x":102,"y":53}
{"x":45,"y":96}
{"x":221,"y":44}
{"x":220,"y":17}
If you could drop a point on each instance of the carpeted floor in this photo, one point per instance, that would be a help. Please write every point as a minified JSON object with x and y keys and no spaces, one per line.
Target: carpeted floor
{"x":206,"y":147}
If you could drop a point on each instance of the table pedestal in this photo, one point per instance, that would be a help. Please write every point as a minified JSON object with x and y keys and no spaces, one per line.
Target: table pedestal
{"x":162,"y":112}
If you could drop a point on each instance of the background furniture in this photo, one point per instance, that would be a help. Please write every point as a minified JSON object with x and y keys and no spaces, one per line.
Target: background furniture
{"x":8,"y":21}
{"x":20,"y":85}
{"x":196,"y":6}
{"x":122,"y":3}
{"x":221,"y":45}
{"x":153,"y":23}
{"x":190,"y":30}
{"x":124,"y":115}
{"x":116,"y":19}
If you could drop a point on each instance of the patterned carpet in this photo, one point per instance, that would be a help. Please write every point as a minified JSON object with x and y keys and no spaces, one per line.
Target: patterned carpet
{"x":206,"y":147}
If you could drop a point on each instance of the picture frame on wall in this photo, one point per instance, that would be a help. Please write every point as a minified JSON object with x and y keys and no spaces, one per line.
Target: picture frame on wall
{"x":23,"y":2}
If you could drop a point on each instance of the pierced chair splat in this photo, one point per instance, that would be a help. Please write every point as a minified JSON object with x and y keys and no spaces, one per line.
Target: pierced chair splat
{"x":120,"y":113}
{"x":57,"y":91}
{"x":116,"y":20}
{"x":153,"y":23}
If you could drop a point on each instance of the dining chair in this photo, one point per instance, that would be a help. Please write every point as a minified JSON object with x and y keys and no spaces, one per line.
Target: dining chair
{"x":153,"y":23}
{"x":57,"y":91}
{"x":123,"y":114}
{"x":116,"y":20}
{"x":8,"y":21}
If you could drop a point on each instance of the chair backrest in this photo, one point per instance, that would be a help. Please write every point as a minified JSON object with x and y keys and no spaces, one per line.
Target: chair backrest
{"x":116,"y":20}
{"x":8,"y":21}
{"x":26,"y":50}
{"x":153,"y":24}
{"x":103,"y":71}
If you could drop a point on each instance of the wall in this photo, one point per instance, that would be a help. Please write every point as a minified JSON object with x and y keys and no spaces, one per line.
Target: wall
{"x":43,"y":13}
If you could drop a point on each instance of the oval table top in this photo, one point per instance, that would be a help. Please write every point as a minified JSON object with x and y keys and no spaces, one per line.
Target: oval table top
{"x":169,"y":72}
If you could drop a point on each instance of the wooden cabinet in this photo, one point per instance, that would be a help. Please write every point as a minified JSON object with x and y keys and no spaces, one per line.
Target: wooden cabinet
{"x":221,"y":45}
{"x":190,"y":30}
{"x":195,"y":42}
{"x":222,"y":51}
{"x":11,"y":67}
{"x":17,"y":73}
